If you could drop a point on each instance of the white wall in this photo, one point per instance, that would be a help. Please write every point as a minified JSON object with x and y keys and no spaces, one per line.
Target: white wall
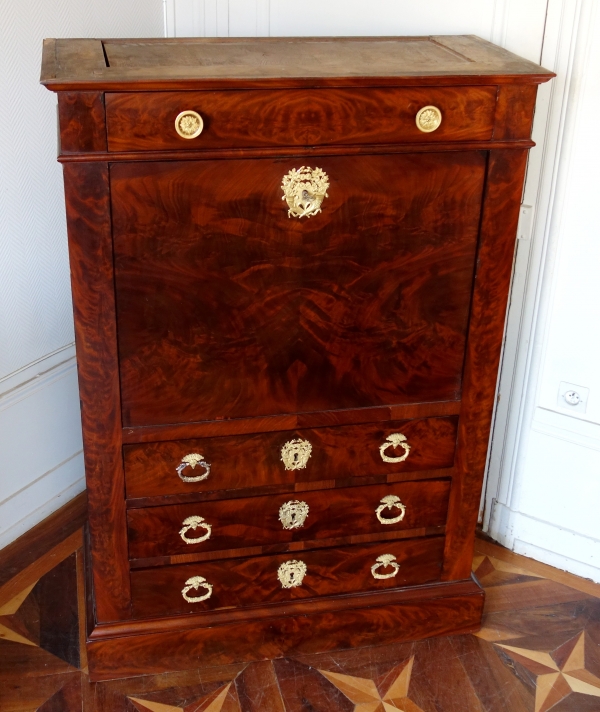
{"x":41,"y":465}
{"x":544,"y":482}
{"x":506,"y":22}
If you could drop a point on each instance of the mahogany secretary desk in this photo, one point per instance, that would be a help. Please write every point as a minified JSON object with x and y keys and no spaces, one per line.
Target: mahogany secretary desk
{"x":290,"y":264}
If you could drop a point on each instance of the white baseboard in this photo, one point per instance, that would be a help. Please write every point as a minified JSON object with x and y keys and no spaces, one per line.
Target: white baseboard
{"x":41,"y":460}
{"x":546,"y":542}
{"x":17,"y":515}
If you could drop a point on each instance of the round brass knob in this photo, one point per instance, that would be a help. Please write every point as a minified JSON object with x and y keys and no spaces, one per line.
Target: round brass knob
{"x":428,"y":119}
{"x":189,"y":124}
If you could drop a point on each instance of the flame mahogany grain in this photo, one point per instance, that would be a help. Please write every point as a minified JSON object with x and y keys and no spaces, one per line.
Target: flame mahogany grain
{"x":255,"y":521}
{"x":300,"y":628}
{"x":496,"y":248}
{"x":242,"y":460}
{"x":144,"y":121}
{"x":253,"y":580}
{"x":91,"y":259}
{"x":81,"y":119}
{"x":227,"y":308}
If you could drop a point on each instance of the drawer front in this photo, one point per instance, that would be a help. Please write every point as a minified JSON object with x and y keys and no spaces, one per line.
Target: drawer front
{"x":269,"y":579}
{"x":145,"y":121}
{"x":227,"y":307}
{"x":304,"y":455}
{"x":306,"y":516}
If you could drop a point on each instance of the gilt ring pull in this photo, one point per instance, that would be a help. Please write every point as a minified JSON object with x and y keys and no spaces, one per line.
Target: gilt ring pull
{"x":384,"y":561}
{"x":192,"y":460}
{"x":389,"y":502}
{"x":189,"y":124}
{"x":394,"y":440}
{"x":195,"y":583}
{"x":193,"y":523}
{"x":304,"y":189}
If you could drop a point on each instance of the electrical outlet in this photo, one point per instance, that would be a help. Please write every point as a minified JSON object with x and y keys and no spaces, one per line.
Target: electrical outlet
{"x":572,"y":397}
{"x":525,"y":222}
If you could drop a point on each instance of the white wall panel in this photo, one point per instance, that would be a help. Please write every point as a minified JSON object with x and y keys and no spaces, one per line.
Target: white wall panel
{"x":40,"y":433}
{"x":40,"y":427}
{"x":40,"y":446}
{"x":35,"y":303}
{"x":516,"y":25}
{"x":382,"y":17}
{"x":543,"y":498}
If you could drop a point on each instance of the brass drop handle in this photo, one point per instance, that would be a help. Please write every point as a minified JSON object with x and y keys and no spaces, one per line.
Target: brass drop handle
{"x":304,"y":189}
{"x":389,"y":502}
{"x":189,"y":124}
{"x":292,"y":514}
{"x":193,"y":460}
{"x":383,"y":562}
{"x":291,"y":573}
{"x":428,"y":119}
{"x":196,"y":582}
{"x":193,"y":523}
{"x":394,"y":440}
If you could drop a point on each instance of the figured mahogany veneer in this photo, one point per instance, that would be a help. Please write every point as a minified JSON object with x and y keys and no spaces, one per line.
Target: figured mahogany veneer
{"x":255,"y":460}
{"x":210,"y":323}
{"x":144,"y":121}
{"x":367,"y":304}
{"x":253,"y":580}
{"x":255,"y":521}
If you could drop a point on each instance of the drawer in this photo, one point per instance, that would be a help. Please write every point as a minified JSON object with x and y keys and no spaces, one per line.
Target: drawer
{"x":269,"y":579}
{"x":145,"y":121}
{"x":306,"y":516}
{"x":303,"y":455}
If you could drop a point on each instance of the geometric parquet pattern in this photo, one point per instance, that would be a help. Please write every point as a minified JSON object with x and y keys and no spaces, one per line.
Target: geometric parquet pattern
{"x":538,"y":650}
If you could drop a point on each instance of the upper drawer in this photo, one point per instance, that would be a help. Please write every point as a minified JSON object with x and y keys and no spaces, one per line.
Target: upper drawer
{"x":263,"y":459}
{"x":145,"y":121}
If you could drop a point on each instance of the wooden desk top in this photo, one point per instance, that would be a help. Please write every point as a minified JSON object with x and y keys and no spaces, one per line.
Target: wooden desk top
{"x":193,"y":63}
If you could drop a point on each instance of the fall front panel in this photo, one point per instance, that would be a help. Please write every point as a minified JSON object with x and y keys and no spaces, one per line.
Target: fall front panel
{"x":227,"y":307}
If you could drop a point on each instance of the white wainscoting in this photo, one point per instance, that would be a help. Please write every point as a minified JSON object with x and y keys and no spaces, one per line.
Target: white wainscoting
{"x":40,"y":442}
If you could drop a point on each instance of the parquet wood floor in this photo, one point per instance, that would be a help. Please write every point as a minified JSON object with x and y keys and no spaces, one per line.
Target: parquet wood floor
{"x":538,"y":650}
